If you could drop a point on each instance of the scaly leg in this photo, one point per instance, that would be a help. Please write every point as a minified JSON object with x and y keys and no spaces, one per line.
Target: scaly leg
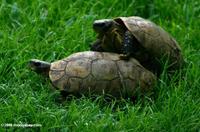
{"x":128,"y":46}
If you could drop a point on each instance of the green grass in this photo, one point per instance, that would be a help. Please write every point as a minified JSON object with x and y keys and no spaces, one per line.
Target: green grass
{"x":53,"y":29}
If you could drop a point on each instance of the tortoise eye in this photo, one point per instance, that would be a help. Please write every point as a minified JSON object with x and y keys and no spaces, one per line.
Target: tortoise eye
{"x":37,"y":63}
{"x":107,"y":24}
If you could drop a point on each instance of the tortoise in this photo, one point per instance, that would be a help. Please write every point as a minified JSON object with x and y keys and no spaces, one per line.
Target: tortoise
{"x":97,"y":73}
{"x":139,"y":38}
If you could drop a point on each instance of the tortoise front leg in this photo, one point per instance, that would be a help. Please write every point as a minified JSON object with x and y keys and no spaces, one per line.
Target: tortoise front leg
{"x":128,"y":46}
{"x":96,"y":46}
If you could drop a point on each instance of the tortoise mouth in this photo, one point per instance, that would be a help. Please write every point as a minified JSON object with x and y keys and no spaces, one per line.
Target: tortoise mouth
{"x":32,"y":64}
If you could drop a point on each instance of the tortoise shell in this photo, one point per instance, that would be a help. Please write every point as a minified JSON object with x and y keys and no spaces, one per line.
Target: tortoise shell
{"x":154,"y":39}
{"x":100,"y":73}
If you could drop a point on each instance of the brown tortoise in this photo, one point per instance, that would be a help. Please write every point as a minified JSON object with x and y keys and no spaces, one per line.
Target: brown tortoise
{"x":97,"y":73}
{"x":140,"y":38}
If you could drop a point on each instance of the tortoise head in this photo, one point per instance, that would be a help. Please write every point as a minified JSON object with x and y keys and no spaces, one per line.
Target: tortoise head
{"x":39,"y":66}
{"x":104,"y":25}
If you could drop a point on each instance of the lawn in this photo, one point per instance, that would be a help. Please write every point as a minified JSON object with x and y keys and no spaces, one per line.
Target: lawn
{"x":53,"y":29}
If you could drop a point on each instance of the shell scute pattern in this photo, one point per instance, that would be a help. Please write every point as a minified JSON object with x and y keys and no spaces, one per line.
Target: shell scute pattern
{"x":78,"y":68}
{"x":126,"y":69}
{"x":107,"y":69}
{"x":55,"y":75}
{"x":152,"y":37}
{"x":58,"y":65}
{"x":99,"y":75}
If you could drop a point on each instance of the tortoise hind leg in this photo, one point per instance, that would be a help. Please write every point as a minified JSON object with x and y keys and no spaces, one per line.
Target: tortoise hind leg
{"x":41,"y":67}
